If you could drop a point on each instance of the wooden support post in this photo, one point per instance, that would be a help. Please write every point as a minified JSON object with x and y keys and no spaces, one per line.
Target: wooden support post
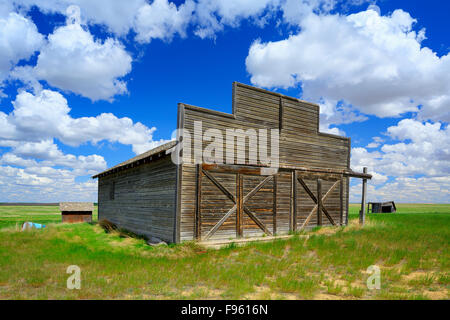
{"x":341,"y":201}
{"x":240,"y":206}
{"x":198,"y":204}
{"x":294,"y":201}
{"x":275,"y":187}
{"x":362,"y":213}
{"x":319,"y":202}
{"x":347,"y":183}
{"x":280,"y":115}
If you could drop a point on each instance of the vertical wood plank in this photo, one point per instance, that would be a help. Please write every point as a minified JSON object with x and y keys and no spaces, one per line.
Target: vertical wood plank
{"x":280,"y":115}
{"x":341,"y":201}
{"x":198,"y":203}
{"x":319,"y":202}
{"x":179,"y":180}
{"x":275,"y":187}
{"x":362,"y":212}
{"x":239,"y":205}
{"x":291,"y":207}
{"x":294,"y":200}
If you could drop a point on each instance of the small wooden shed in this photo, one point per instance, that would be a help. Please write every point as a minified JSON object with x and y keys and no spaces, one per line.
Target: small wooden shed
{"x":73,"y":212}
{"x":381,"y":207}
{"x":201,"y":199}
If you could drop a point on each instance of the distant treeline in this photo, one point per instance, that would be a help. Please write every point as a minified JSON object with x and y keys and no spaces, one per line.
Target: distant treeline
{"x":31,"y":204}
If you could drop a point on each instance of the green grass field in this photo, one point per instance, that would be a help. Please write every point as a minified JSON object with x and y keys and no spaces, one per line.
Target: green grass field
{"x":14,"y":216}
{"x":410,"y":247}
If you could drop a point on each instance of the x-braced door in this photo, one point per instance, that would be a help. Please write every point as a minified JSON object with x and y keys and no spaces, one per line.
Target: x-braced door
{"x":234,"y":201}
{"x":317,"y":200}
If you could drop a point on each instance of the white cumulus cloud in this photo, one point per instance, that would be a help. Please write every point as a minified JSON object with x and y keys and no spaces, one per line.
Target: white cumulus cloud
{"x":73,"y":60}
{"x":116,"y":16}
{"x":162,"y":20}
{"x":416,"y":159}
{"x":43,"y":116}
{"x":375,"y":63}
{"x":19,"y":39}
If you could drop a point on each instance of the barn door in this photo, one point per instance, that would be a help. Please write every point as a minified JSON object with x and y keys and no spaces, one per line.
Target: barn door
{"x":317,"y":200}
{"x":234,"y":202}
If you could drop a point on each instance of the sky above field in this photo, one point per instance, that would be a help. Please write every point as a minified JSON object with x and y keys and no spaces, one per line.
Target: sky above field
{"x":86,"y":84}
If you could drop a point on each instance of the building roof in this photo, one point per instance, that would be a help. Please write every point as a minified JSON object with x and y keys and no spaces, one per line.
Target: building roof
{"x":76,"y":206}
{"x":148,"y":156}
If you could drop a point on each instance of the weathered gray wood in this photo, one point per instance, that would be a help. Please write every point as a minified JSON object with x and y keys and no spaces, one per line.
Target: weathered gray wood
{"x":219,"y":185}
{"x":302,"y":148}
{"x":179,"y":179}
{"x":198,"y":206}
{"x":257,"y":188}
{"x":281,"y":114}
{"x":257,"y":221}
{"x":240,"y":206}
{"x":144,"y":199}
{"x":341,"y":201}
{"x":275,"y":196}
{"x":294,"y":200}
{"x":221,"y":221}
{"x":319,"y":202}
{"x":362,"y":213}
{"x":314,"y":210}
{"x":76,"y":206}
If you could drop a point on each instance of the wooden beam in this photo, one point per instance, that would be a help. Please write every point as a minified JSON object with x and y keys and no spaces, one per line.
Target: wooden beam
{"x":294,"y":201}
{"x":280,"y":114}
{"x":198,"y":214}
{"x":291,"y":203}
{"x":362,"y":213}
{"x":257,"y":221}
{"x":319,"y":202}
{"x":313,"y":197}
{"x":309,"y":192}
{"x":240,"y":204}
{"x":256,"y":169}
{"x":219,"y":185}
{"x":314,"y":210}
{"x":360,"y":175}
{"x":341,"y":201}
{"x":257,"y":188}
{"x":227,"y":168}
{"x":275,"y":187}
{"x":221,"y":221}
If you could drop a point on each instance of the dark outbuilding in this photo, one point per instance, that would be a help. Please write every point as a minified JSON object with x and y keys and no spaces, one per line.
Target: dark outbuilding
{"x":381,"y":207}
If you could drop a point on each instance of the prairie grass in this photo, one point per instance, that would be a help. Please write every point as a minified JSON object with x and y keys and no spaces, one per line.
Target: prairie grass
{"x":411,"y":248}
{"x":14,"y":216}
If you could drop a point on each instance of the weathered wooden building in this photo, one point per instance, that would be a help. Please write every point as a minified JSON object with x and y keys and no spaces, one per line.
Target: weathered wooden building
{"x":243,"y":196}
{"x":74,"y":212}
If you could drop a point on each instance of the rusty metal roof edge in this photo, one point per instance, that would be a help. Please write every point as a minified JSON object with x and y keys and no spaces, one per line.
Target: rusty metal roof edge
{"x":164,"y":147}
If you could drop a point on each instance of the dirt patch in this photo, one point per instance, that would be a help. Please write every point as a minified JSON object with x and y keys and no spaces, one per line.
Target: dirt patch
{"x":286,"y":252}
{"x":125,"y":242}
{"x":415,"y":275}
{"x":260,"y":292}
{"x":326,"y":296}
{"x":202,"y":292}
{"x":265,"y":293}
{"x":327,"y":230}
{"x":354,"y":225}
{"x":437,"y":295}
{"x":339,"y":282}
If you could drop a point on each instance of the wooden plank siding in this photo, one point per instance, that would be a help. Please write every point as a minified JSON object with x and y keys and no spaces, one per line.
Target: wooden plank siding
{"x":301,"y":145}
{"x":144,"y":199}
{"x":151,"y":196}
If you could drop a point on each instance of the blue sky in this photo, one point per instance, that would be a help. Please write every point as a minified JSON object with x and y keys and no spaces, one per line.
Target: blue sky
{"x":83,"y":87}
